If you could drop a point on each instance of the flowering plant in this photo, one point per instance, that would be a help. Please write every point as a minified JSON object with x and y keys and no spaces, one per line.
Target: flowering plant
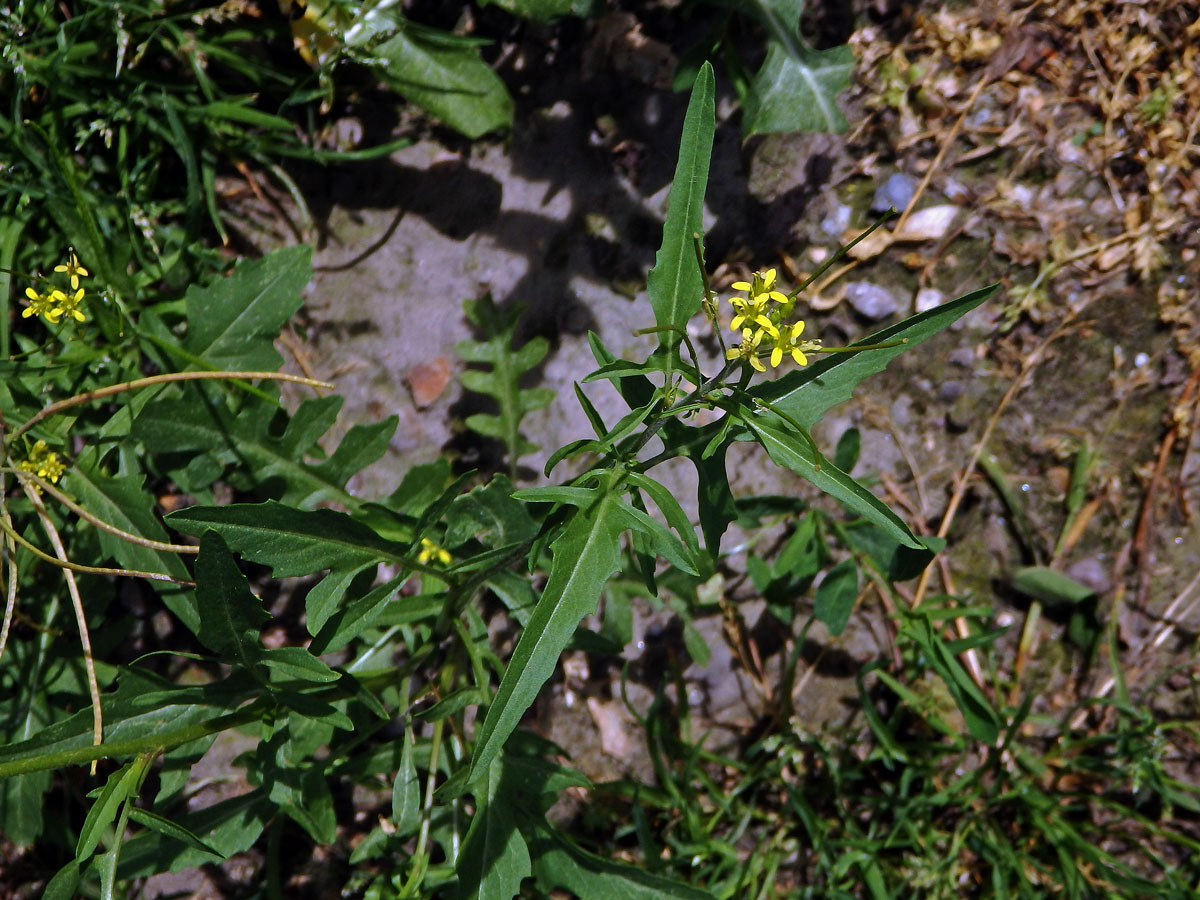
{"x":393,"y":632}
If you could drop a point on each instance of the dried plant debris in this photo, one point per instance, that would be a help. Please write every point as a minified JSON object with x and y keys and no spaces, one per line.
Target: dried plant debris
{"x":1086,"y":116}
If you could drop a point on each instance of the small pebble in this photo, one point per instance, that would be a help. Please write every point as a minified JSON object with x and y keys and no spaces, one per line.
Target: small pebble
{"x":871,"y":300}
{"x":897,"y":191}
{"x":837,"y":221}
{"x":963,"y":357}
{"x":1091,"y":573}
{"x":949,"y":391}
{"x":928,"y":298}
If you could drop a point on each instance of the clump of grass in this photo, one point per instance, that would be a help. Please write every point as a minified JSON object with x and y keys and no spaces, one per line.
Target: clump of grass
{"x":899,"y":804}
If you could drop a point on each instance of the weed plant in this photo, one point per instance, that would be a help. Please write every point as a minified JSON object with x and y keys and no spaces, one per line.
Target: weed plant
{"x":399,"y":684}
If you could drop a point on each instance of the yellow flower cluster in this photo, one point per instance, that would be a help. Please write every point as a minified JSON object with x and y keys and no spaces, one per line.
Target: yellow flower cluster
{"x":43,"y":462}
{"x":432,"y":553}
{"x":757,"y":320}
{"x":56,"y":304}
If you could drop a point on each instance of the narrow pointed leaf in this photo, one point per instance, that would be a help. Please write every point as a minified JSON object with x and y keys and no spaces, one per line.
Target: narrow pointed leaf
{"x":585,"y":556}
{"x":674,"y":284}
{"x":558,"y":863}
{"x":291,"y":541}
{"x":789,"y":449}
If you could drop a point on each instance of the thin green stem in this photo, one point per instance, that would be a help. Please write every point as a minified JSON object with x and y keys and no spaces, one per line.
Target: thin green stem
{"x":839,"y":254}
{"x":702,"y":391}
{"x":710,"y":297}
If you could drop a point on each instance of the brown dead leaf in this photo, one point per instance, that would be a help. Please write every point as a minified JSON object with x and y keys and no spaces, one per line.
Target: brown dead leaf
{"x":428,"y":380}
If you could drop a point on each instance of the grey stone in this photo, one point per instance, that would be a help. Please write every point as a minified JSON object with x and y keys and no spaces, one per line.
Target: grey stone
{"x":870,"y":300}
{"x":897,"y":191}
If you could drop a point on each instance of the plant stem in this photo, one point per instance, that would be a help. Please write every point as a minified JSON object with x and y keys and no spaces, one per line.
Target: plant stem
{"x":167,"y":378}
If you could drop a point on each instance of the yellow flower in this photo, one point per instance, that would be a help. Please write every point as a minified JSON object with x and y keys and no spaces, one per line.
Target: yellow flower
{"x":43,"y":462}
{"x":431,"y":552}
{"x":66,"y":305}
{"x":748,"y":348}
{"x":752,"y":309}
{"x":749,"y":309}
{"x":762,"y":286}
{"x":39,"y":304}
{"x":785,"y":341}
{"x":73,"y":270}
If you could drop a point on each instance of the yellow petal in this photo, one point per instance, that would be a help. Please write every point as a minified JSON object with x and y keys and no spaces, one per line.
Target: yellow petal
{"x":800,"y":358}
{"x":776,"y":357}
{"x":741,"y":286}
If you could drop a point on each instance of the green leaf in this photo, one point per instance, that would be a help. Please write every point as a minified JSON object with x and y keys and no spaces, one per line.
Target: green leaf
{"x":983,"y":722}
{"x":895,"y":560}
{"x":233,"y":322}
{"x":585,"y":555}
{"x":21,"y":804}
{"x":227,"y":827}
{"x":356,"y":617}
{"x":143,"y":709}
{"x":297,"y":664}
{"x":717,"y":507}
{"x":120,"y":786}
{"x":322,"y":601}
{"x":789,"y":449}
{"x":123,"y":502}
{"x":420,"y":487}
{"x":64,"y":883}
{"x":171,"y":829}
{"x":528,"y":777}
{"x":636,"y":390}
{"x":660,"y":539}
{"x":669,"y":507}
{"x":198,"y":422}
{"x":545,"y":10}
{"x":836,"y":595}
{"x":494,"y":858}
{"x":796,"y":89}
{"x":845,"y":456}
{"x":1052,"y":588}
{"x":806,"y":394}
{"x":291,"y":541}
{"x":675,"y":284}
{"x":558,"y":863}
{"x":443,"y":74}
{"x":230,"y":616}
{"x":406,"y":792}
{"x":489,"y":514}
